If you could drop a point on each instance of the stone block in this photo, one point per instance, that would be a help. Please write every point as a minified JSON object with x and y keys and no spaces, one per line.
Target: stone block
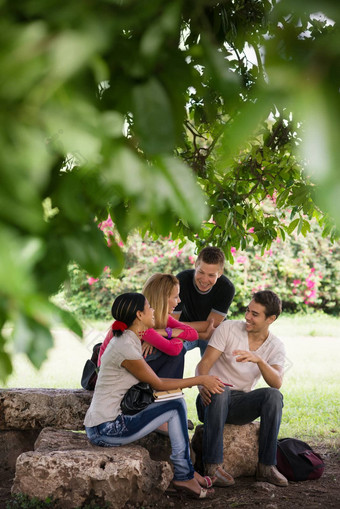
{"x":79,"y":472}
{"x":24,"y":409}
{"x":240,"y":448}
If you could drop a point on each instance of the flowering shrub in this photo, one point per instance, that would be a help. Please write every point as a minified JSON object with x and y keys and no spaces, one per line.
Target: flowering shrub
{"x":93,"y":298}
{"x":303,"y":271}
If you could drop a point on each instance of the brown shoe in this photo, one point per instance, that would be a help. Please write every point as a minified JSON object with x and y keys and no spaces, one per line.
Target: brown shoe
{"x":223,"y":479}
{"x":269,"y":473}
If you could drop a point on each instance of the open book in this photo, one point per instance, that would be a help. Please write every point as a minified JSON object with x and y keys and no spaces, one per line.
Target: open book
{"x":165,"y":395}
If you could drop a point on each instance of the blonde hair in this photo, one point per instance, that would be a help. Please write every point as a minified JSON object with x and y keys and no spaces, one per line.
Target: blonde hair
{"x":157,"y":290}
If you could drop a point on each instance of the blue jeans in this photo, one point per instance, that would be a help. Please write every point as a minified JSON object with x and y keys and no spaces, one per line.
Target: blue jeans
{"x":129,"y":428}
{"x":238,"y":407}
{"x":201,"y":343}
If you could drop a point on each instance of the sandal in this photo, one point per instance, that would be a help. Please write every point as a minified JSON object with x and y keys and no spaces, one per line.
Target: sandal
{"x":193,"y":494}
{"x":208,"y":481}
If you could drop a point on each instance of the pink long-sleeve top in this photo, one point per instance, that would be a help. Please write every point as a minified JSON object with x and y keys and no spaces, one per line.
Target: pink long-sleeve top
{"x":171,"y":346}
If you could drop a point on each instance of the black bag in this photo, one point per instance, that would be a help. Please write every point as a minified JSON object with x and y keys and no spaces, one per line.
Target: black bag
{"x":90,"y":371}
{"x":297,"y":461}
{"x":138,"y":397}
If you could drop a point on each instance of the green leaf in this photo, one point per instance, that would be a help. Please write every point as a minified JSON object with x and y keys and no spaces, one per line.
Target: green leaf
{"x":153,"y":117}
{"x":292,"y":226}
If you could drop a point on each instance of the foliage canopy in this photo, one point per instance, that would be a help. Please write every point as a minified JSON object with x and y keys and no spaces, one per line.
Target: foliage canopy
{"x":172,"y":116}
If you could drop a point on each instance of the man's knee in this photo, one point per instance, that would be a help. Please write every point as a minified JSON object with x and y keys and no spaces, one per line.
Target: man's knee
{"x":216,"y":408}
{"x":274,"y":397}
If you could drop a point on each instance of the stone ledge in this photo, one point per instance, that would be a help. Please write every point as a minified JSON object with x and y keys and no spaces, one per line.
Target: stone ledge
{"x":24,"y":409}
{"x":240,"y":448}
{"x":79,"y":472}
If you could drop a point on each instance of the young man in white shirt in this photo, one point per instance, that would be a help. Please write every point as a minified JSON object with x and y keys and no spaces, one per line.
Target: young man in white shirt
{"x":239,"y":353}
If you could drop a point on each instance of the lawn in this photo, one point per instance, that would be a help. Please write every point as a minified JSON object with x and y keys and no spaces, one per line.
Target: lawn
{"x":311,"y":386}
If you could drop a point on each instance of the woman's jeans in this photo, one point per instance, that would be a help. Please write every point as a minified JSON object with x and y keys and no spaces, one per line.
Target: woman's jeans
{"x":238,"y":407}
{"x":201,"y":343}
{"x":129,"y":428}
{"x":167,"y":366}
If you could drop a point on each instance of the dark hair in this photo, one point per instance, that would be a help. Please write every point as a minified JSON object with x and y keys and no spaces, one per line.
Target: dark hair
{"x":211,"y":255}
{"x":270,"y":301}
{"x":125,"y":307}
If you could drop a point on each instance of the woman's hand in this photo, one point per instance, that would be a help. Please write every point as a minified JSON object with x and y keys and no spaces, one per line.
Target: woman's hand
{"x":212,"y":384}
{"x":146,"y":348}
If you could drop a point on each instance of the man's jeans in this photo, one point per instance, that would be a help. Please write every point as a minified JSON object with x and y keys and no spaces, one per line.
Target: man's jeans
{"x":129,"y":428}
{"x":238,"y":407}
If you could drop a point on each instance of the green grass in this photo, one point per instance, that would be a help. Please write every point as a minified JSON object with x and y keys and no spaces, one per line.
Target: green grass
{"x":311,"y":386}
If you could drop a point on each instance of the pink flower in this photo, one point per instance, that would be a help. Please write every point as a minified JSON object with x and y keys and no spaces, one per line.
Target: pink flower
{"x":121,"y":244}
{"x":310,"y":284}
{"x":297,"y":282}
{"x":92,"y":280}
{"x":178,"y":254}
{"x":278,"y":240}
{"x":241,"y":259}
{"x":251,"y":230}
{"x":191,"y":259}
{"x":106,"y":268}
{"x":312,"y":294}
{"x":155,"y":259}
{"x":312,"y":270}
{"x":233,"y":250}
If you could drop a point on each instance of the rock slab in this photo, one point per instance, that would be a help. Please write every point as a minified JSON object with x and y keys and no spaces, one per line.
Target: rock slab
{"x":79,"y":472}
{"x":24,"y":409}
{"x":240,"y":448}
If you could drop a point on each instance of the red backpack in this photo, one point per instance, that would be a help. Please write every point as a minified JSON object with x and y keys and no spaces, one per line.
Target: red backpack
{"x":297,"y":461}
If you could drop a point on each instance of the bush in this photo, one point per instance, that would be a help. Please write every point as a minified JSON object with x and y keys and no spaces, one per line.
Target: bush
{"x":304,"y":271}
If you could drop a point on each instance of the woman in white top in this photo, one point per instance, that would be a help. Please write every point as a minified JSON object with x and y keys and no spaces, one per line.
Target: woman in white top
{"x":123,"y":365}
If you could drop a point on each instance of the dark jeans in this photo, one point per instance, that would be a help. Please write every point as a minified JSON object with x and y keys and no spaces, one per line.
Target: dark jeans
{"x":238,"y":407}
{"x":167,"y":366}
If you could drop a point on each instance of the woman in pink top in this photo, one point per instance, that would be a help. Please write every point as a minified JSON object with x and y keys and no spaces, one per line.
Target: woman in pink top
{"x":162,"y":346}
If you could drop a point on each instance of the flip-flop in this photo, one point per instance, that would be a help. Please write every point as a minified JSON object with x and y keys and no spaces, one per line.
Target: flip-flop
{"x":208,"y":481}
{"x":193,"y":494}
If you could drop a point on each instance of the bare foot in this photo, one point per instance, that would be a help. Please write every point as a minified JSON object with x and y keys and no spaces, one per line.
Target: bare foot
{"x":206,"y":482}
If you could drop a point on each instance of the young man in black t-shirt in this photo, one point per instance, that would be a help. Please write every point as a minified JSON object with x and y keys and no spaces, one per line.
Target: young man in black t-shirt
{"x":205,"y":294}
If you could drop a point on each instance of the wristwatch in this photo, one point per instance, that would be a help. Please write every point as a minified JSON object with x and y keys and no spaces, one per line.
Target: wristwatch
{"x":168,"y":330}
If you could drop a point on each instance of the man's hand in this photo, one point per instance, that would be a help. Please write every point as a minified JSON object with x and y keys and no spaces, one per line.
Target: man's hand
{"x":205,"y":395}
{"x":273,"y":375}
{"x":246,"y":356}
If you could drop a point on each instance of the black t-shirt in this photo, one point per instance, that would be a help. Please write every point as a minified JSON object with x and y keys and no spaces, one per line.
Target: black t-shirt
{"x":196,"y":306}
